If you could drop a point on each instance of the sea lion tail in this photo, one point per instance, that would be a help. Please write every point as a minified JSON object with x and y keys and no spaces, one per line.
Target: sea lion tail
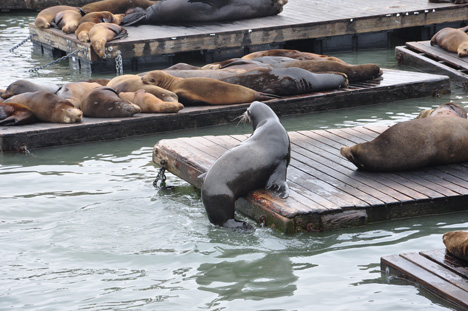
{"x":134,"y":18}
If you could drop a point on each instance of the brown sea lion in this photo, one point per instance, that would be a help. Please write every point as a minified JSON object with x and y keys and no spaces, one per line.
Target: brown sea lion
{"x":102,"y":17}
{"x":75,"y":92}
{"x":295,"y":54}
{"x":24,"y":86}
{"x":456,"y":243}
{"x":101,"y":33}
{"x":452,"y":40}
{"x":102,"y":81}
{"x":212,"y":74}
{"x":133,"y":83}
{"x":150,"y":103}
{"x":104,"y":102}
{"x":447,"y":109}
{"x":82,"y":32}
{"x":45,"y":17}
{"x":116,"y":6}
{"x":48,"y":107}
{"x":204,"y":90}
{"x":413,"y":144}
{"x":182,"y":66}
{"x":15,"y":114}
{"x":237,"y":64}
{"x":67,"y":20}
{"x":354,"y":72}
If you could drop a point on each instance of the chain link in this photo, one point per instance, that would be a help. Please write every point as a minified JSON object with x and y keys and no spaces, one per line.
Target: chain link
{"x":19,"y":44}
{"x":161,"y":176}
{"x":119,"y":63}
{"x":58,"y":60}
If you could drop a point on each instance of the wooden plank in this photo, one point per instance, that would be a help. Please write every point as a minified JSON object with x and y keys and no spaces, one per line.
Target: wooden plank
{"x":446,"y":260}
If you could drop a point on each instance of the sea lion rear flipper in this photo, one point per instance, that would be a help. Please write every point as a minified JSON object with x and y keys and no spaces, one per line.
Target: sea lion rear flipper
{"x":134,"y":18}
{"x":277,"y":181}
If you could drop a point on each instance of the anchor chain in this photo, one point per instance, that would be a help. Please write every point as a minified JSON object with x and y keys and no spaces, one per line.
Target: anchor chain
{"x":119,"y":63}
{"x":19,"y":44}
{"x":58,"y":60}
{"x":161,"y":176}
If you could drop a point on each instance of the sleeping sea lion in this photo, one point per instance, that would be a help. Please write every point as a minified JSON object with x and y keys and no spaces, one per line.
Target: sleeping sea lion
{"x":452,"y":40}
{"x":102,"y":17}
{"x":258,"y":162}
{"x":101,"y":33}
{"x":82,"y":32}
{"x":104,"y":102}
{"x":48,"y":107}
{"x":150,"y":103}
{"x":447,"y":109}
{"x":24,"y":86}
{"x":15,"y":114}
{"x":203,"y":90}
{"x":45,"y":17}
{"x":133,"y":83}
{"x":456,"y":243}
{"x":116,"y":6}
{"x":413,"y":144}
{"x":295,"y":54}
{"x":67,"y":20}
{"x":75,"y":92}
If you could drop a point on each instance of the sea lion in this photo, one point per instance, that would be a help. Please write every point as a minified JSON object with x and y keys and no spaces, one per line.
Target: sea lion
{"x":102,"y":17}
{"x":116,"y":6}
{"x":413,"y":144}
{"x":82,"y":32}
{"x":150,"y":103}
{"x":192,"y":91}
{"x":258,"y":162}
{"x":452,"y":40}
{"x":101,"y":33}
{"x":15,"y":114}
{"x":67,"y":20}
{"x":288,"y":81}
{"x":104,"y":102}
{"x":75,"y":92}
{"x":447,"y":109}
{"x":133,"y":83}
{"x":237,"y":64}
{"x":24,"y":86}
{"x":48,"y":107}
{"x":45,"y":17}
{"x":212,"y":74}
{"x":354,"y":72}
{"x":190,"y":11}
{"x":182,"y":66}
{"x":295,"y":54}
{"x":456,"y":243}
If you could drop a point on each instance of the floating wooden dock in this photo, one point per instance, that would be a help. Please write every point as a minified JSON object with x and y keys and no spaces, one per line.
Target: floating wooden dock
{"x":428,"y":58}
{"x":392,"y":85}
{"x":437,"y":271}
{"x":338,"y":25}
{"x":326,"y":190}
{"x":38,"y":5}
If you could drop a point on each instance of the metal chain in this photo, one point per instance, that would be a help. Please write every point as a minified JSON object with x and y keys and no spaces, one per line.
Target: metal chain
{"x":161,"y":176}
{"x":119,"y":63}
{"x":58,"y":60}
{"x":19,"y":44}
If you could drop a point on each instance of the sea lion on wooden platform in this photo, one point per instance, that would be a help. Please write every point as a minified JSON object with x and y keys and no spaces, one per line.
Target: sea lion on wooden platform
{"x":67,"y":20}
{"x":447,"y":110}
{"x":104,"y":102}
{"x":203,"y":90}
{"x":102,"y":17}
{"x":295,"y":54}
{"x":82,"y":32}
{"x":413,"y":144}
{"x":288,"y":81}
{"x":116,"y":6}
{"x":101,"y":33}
{"x":150,"y":103}
{"x":45,"y":17}
{"x":48,"y":107}
{"x":75,"y":92}
{"x":237,"y":64}
{"x":456,"y":243}
{"x":133,"y":83}
{"x":15,"y":114}
{"x":452,"y":40}
{"x":190,"y":11}
{"x":24,"y":86}
{"x":354,"y":72}
{"x":212,"y":74}
{"x":258,"y":162}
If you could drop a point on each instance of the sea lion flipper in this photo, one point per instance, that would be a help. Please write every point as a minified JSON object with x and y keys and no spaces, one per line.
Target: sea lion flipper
{"x":134,"y":18}
{"x":277,"y":181}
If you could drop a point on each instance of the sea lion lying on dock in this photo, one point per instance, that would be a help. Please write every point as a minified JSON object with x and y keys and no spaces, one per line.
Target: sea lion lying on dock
{"x":456,"y":243}
{"x":193,"y":91}
{"x":24,"y":86}
{"x":89,"y":20}
{"x":48,"y":107}
{"x":193,"y":11}
{"x":104,"y":102}
{"x":259,"y":162}
{"x":75,"y":92}
{"x":295,"y":54}
{"x":101,"y":33}
{"x":44,"y":18}
{"x":15,"y":114}
{"x":116,"y":6}
{"x":150,"y":103}
{"x":453,"y":40}
{"x":413,"y":144}
{"x":133,"y":83}
{"x":67,"y":20}
{"x":447,"y":109}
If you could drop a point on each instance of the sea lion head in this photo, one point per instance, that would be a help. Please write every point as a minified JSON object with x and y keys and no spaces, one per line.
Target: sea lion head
{"x":352,"y":154}
{"x":41,"y":23}
{"x":158,"y":78}
{"x":258,"y":112}
{"x":65,"y":112}
{"x":462,"y":50}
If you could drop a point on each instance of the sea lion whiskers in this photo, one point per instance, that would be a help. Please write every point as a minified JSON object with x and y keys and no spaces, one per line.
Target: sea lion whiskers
{"x":243,"y":118}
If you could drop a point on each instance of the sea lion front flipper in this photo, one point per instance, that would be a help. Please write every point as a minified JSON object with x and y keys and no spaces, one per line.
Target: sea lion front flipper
{"x":277,"y":181}
{"x":134,"y":18}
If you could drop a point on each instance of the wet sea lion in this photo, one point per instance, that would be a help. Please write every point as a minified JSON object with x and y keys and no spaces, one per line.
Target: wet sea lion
{"x":150,"y":103}
{"x":104,"y":102}
{"x":288,"y":81}
{"x":24,"y":86}
{"x":45,"y":17}
{"x":295,"y":54}
{"x":190,"y":11}
{"x":133,"y":83}
{"x":194,"y":91}
{"x":48,"y":107}
{"x":413,"y":144}
{"x":447,"y":109}
{"x":15,"y":114}
{"x":258,"y":162}
{"x":452,"y":40}
{"x":67,"y":20}
{"x":75,"y":92}
{"x":116,"y":6}
{"x":456,"y":243}
{"x":101,"y":33}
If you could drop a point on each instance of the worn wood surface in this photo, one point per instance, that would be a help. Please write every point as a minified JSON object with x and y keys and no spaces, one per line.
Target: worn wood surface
{"x":422,"y":55}
{"x":37,"y":5}
{"x":436,"y":270}
{"x":393,"y":85}
{"x":327,"y":192}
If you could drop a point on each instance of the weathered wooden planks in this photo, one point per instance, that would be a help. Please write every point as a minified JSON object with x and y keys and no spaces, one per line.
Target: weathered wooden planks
{"x":327,"y":192}
{"x":392,"y":85}
{"x":436,"y":270}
